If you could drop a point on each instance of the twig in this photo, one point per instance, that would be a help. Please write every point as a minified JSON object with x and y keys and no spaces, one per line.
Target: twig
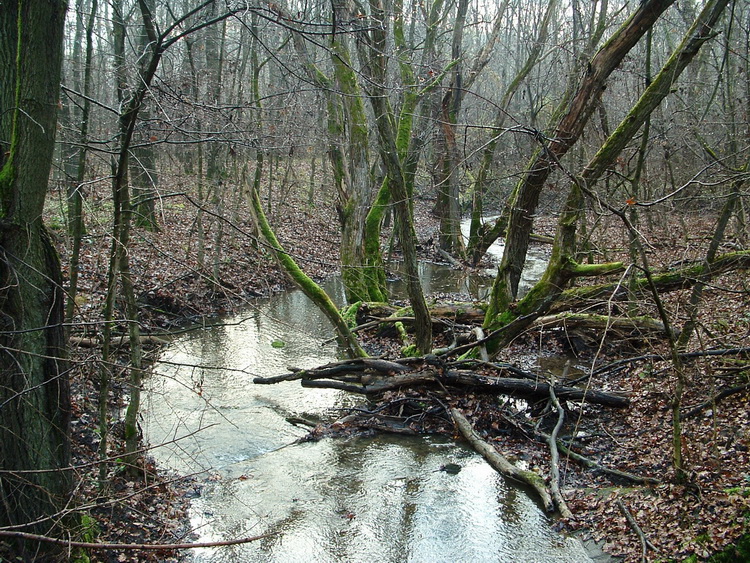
{"x":645,"y":543}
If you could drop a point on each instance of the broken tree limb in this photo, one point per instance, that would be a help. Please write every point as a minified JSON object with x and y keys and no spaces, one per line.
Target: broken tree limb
{"x":332,"y":384}
{"x":344,"y":367}
{"x":500,"y":463}
{"x":479,"y":333}
{"x":554,"y":462}
{"x":594,"y":465}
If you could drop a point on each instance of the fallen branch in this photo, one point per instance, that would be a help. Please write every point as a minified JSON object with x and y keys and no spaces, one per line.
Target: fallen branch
{"x":126,"y":546}
{"x":372,"y":376}
{"x":588,"y":462}
{"x":715,"y":399}
{"x":479,"y":333}
{"x":534,"y":388}
{"x":462,"y":313}
{"x":554,"y":483}
{"x":380,"y":423}
{"x":640,"y":325}
{"x":374,"y":385}
{"x":500,"y":463}
{"x":116,"y":341}
{"x":645,"y":543}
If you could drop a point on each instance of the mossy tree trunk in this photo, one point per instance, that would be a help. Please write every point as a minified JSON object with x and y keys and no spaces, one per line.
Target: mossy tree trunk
{"x":34,"y":385}
{"x":562,"y":266}
{"x":361,"y":264}
{"x":482,"y":235}
{"x":702,"y":29}
{"x":349,"y":153}
{"x":568,"y":130}
{"x":398,"y":144}
{"x":316,"y":294}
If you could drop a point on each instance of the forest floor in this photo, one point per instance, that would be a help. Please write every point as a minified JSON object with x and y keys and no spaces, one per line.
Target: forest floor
{"x":675,"y":520}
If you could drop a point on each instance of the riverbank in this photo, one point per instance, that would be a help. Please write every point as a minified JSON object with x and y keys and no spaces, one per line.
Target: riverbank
{"x":679,"y":520}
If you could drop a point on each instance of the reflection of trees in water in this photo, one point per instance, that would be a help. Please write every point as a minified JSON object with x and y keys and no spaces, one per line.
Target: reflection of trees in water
{"x":361,"y":498}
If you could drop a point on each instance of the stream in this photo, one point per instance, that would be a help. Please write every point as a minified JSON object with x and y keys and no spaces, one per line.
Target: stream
{"x":384,"y":498}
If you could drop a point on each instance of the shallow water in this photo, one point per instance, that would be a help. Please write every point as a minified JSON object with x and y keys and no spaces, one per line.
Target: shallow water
{"x":383,"y":498}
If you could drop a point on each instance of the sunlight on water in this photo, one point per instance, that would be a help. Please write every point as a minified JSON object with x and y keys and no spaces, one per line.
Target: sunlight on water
{"x":362,"y":499}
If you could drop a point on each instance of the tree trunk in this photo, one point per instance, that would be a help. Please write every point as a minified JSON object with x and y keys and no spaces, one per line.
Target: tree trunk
{"x":482,"y":235}
{"x":34,"y":386}
{"x":445,"y":174}
{"x":568,"y":130}
{"x":307,"y":285}
{"x":562,"y":266}
{"x":76,"y":223}
{"x":348,"y":151}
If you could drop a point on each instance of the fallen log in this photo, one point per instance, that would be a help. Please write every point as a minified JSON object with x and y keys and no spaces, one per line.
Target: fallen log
{"x":539,"y":389}
{"x":640,"y":325}
{"x":461,"y":313}
{"x":116,"y":341}
{"x":500,"y":463}
{"x":665,"y":281}
{"x":369,"y":376}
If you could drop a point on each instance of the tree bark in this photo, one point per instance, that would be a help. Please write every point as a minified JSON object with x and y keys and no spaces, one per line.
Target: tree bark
{"x":34,"y":385}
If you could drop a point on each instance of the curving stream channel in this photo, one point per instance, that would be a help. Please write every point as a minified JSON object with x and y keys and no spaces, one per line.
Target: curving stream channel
{"x":383,"y":498}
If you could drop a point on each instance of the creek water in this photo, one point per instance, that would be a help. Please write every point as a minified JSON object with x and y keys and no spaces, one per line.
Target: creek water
{"x":383,"y":498}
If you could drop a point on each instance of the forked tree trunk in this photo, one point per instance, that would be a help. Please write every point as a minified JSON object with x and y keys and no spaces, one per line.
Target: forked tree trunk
{"x":567,"y":132}
{"x":562,"y":266}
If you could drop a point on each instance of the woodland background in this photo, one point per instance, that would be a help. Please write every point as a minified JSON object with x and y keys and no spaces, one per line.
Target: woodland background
{"x":203,"y":147}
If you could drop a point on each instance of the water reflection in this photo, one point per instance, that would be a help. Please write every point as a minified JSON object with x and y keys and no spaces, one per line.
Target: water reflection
{"x":376,"y":499}
{"x":362,"y":499}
